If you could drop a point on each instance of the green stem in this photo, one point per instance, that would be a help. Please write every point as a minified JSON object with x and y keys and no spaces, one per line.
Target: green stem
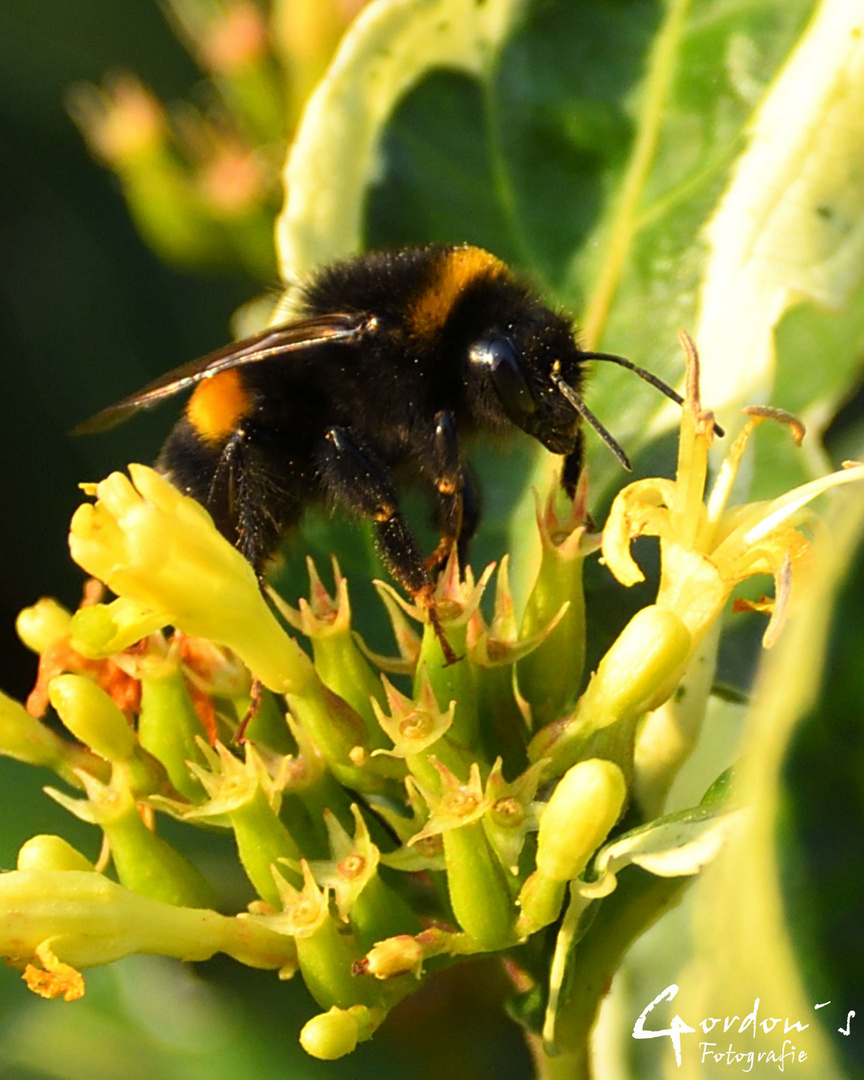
{"x":640,"y":899}
{"x":572,"y":1066}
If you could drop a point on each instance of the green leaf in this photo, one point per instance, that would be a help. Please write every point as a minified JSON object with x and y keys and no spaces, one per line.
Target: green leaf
{"x":675,"y":845}
{"x":776,"y":916}
{"x":820,"y":825}
{"x":592,"y":144}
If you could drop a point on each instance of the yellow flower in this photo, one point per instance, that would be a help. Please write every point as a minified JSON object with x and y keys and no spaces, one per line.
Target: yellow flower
{"x":706,"y":547}
{"x":160,"y":551}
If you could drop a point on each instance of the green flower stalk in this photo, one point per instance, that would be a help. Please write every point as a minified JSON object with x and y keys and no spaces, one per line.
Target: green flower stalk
{"x":457,"y":598}
{"x":143,"y":861}
{"x":503,"y":714}
{"x":478,"y":887}
{"x":372,"y":907}
{"x":556,"y":608}
{"x":168,"y":724}
{"x":325,"y":956}
{"x":245,"y":794}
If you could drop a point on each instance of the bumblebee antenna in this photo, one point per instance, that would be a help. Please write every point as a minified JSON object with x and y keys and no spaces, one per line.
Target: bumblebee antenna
{"x":586,"y":414}
{"x":658,"y":384}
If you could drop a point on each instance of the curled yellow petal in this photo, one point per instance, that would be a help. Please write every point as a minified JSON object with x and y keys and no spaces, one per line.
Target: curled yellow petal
{"x":641,"y":509}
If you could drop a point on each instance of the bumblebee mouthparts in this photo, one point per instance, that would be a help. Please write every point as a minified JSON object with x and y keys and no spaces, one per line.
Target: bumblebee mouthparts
{"x":586,"y":414}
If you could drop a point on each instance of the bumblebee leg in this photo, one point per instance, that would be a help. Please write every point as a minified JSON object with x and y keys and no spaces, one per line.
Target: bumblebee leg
{"x":256,"y":696}
{"x":572,"y":468}
{"x":248,"y":499}
{"x":354,"y":477}
{"x":448,"y":475}
{"x":470,"y":516}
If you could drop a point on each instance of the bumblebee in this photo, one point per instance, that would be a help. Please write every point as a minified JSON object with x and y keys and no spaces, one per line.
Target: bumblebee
{"x":394,"y":360}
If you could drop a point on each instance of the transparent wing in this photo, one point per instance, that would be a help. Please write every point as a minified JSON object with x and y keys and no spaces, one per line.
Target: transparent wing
{"x":292,"y":337}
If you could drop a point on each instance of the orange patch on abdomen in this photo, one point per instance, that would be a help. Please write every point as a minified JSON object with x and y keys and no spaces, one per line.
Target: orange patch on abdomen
{"x":218,"y":405}
{"x":456,"y":270}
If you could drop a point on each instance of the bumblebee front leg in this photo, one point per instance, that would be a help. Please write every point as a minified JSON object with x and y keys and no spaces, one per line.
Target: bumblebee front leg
{"x":572,"y":468}
{"x":456,"y":506}
{"x":353,"y":476}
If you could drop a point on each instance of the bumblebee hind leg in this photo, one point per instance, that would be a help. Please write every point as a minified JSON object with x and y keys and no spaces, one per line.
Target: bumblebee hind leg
{"x":356,"y":479}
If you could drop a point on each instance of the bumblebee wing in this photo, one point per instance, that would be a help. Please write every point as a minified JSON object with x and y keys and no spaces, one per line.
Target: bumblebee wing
{"x":303,"y":334}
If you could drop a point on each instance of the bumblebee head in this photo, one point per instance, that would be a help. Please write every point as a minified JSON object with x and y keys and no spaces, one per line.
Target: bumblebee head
{"x":536,"y":372}
{"x":527,"y":366}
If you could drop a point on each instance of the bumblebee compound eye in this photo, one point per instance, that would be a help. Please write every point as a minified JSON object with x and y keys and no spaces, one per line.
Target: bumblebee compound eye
{"x":498,"y":356}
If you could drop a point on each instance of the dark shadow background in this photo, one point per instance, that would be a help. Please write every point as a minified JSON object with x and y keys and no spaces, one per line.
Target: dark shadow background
{"x":87,"y":313}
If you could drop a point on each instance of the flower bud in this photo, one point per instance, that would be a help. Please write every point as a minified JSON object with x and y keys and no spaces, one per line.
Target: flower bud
{"x":98,"y":631}
{"x":393,"y":956}
{"x":92,"y":717}
{"x":45,"y":852}
{"x":335,"y":1033}
{"x":640,"y":670}
{"x":42,"y":624}
{"x":638,"y":673}
{"x":585,"y":804}
{"x":26,"y":739}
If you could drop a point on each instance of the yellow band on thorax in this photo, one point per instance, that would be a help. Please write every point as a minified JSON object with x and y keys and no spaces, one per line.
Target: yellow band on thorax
{"x":457,"y":269}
